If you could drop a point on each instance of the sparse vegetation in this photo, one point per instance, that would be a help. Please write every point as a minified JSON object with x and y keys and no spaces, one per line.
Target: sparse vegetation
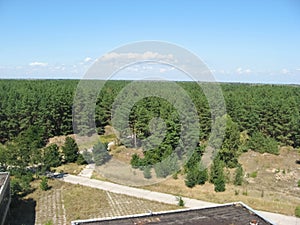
{"x":253,"y":174}
{"x":239,"y":174}
{"x":297,"y":211}
{"x":181,"y":203}
{"x":44,"y":184}
{"x":147,"y":172}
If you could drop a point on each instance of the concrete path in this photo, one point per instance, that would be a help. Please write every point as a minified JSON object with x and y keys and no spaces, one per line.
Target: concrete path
{"x":165,"y":198}
{"x":135,"y":192}
{"x":87,"y":171}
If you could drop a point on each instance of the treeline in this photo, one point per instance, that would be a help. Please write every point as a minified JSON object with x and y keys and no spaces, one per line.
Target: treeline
{"x":46,"y":104}
{"x":258,"y":117}
{"x":272,"y":110}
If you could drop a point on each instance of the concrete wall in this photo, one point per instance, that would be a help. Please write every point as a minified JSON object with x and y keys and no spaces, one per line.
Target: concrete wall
{"x":5,"y":198}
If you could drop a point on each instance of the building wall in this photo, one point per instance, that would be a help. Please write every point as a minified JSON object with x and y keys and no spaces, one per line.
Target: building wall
{"x":4,"y":198}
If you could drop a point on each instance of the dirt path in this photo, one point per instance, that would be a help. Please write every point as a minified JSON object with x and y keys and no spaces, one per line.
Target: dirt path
{"x":165,"y":198}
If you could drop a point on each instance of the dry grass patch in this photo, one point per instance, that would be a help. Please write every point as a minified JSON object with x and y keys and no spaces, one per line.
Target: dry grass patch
{"x":273,"y":188}
{"x":65,"y":202}
{"x":70,"y":168}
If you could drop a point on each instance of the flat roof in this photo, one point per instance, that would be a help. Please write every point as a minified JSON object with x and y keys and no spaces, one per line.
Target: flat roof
{"x":233,"y":213}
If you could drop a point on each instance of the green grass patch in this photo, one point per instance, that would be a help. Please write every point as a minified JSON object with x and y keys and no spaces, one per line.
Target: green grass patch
{"x":253,"y":174}
{"x":297,"y":211}
{"x":107,"y":138}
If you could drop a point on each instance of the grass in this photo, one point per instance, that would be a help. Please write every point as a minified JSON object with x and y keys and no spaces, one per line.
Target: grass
{"x":279,"y":202}
{"x":65,"y":202}
{"x":253,"y":174}
{"x":107,"y":138}
{"x":297,"y":211}
{"x":70,"y":168}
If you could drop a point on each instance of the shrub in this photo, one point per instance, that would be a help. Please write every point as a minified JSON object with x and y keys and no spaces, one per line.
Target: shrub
{"x":49,"y":222}
{"x":261,"y":143}
{"x":100,"y":153}
{"x":181,"y":203}
{"x":253,"y":174}
{"x":135,"y":161}
{"x":220,"y":184}
{"x":298,"y":183}
{"x":166,"y":167}
{"x":88,"y":156}
{"x":44,"y":184}
{"x":147,"y":172}
{"x":297,"y":211}
{"x":81,"y":160}
{"x":239,"y":173}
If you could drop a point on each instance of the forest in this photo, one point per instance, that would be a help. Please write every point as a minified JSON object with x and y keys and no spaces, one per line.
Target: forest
{"x":259,"y":117}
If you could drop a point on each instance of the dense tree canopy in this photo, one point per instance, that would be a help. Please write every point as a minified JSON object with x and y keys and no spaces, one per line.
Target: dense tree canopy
{"x":259,"y":117}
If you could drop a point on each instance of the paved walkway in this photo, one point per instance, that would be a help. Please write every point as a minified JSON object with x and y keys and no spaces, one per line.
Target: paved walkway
{"x":88,"y":171}
{"x":165,"y":198}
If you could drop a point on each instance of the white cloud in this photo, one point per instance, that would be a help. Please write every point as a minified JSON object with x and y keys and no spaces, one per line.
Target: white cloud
{"x":243,"y":71}
{"x":88,"y":59}
{"x":285,"y":71}
{"x":239,"y":70}
{"x":298,"y":69}
{"x":137,"y":56}
{"x":38,"y":64}
{"x":162,"y":70}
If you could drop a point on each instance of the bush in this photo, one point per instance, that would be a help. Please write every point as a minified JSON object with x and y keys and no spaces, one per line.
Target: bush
{"x":261,"y":143}
{"x":135,"y":161}
{"x":44,"y":184}
{"x":298,"y":183}
{"x":220,"y":184}
{"x":20,"y":186}
{"x":297,"y":211}
{"x":239,"y":173}
{"x":81,"y":160}
{"x":147,"y":172}
{"x":88,"y":156}
{"x":253,"y":174}
{"x":49,"y":222}
{"x":181,"y":203}
{"x":166,"y":167}
{"x":101,"y":156}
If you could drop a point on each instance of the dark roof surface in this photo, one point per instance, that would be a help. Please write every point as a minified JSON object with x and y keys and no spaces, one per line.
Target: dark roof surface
{"x":236,"y":213}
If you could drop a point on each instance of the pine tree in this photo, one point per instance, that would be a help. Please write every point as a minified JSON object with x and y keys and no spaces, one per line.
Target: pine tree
{"x":100,"y":154}
{"x":70,"y":150}
{"x":239,"y":173}
{"x":51,"y":157}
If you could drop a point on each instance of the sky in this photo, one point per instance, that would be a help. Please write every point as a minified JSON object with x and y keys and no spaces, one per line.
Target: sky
{"x":239,"y":41}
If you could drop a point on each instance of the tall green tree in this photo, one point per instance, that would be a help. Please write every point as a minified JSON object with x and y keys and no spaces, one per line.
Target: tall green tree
{"x":51,"y":157}
{"x":217,"y":176}
{"x":239,"y":174}
{"x":70,"y":150}
{"x":100,"y":153}
{"x":229,"y":151}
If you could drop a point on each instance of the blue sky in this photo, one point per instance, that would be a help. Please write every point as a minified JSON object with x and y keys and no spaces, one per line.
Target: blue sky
{"x":240,"y":41}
